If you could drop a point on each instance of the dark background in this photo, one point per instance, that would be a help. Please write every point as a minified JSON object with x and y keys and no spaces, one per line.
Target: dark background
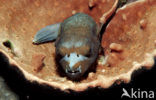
{"x":141,"y":79}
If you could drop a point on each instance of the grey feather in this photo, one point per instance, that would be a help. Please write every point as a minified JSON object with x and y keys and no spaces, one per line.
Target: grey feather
{"x":46,"y":34}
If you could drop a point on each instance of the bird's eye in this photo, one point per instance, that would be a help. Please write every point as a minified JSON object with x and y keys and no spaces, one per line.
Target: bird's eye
{"x":77,"y":55}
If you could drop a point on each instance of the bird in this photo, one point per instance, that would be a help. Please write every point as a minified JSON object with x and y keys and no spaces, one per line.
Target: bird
{"x":76,"y":43}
